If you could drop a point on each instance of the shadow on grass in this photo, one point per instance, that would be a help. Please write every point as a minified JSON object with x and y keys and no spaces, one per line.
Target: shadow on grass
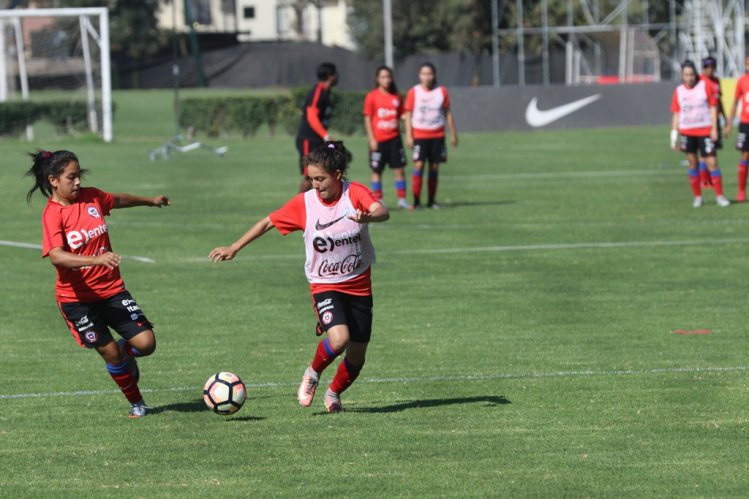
{"x":460,"y":204}
{"x":196,"y":405}
{"x":423,"y":404}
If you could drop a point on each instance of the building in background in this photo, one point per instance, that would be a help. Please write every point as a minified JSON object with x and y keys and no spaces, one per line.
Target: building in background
{"x":323,"y":21}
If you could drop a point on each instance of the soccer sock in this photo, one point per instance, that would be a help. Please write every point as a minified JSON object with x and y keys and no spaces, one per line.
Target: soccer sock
{"x":694,"y":181}
{"x":400,"y":189}
{"x":432,"y":183}
{"x":346,"y":374}
{"x":717,"y":181}
{"x":324,"y":356}
{"x":416,"y":185}
{"x":120,"y":373}
{"x":377,"y":189}
{"x":704,"y":173}
{"x":742,"y":175}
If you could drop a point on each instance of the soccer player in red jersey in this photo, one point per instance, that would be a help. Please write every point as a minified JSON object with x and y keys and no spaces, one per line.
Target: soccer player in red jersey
{"x":708,"y":74}
{"x":316,"y":112}
{"x":695,"y":127}
{"x":742,"y":142}
{"x":334,"y":217}
{"x":383,"y":108}
{"x":90,"y":292}
{"x":427,"y":112}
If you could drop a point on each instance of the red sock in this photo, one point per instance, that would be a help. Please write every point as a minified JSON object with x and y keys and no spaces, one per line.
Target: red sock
{"x":400,"y":189}
{"x":704,"y":174}
{"x":717,"y":182}
{"x":125,"y":380}
{"x":416,"y":181}
{"x":742,"y":176}
{"x":324,"y":356}
{"x":345,"y":375}
{"x":694,"y":181}
{"x":432,"y":184}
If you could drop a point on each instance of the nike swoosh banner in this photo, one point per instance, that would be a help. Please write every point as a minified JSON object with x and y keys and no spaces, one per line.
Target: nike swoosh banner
{"x":555,"y":107}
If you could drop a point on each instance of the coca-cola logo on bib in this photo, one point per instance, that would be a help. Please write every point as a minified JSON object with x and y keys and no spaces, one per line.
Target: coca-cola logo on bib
{"x":343,"y":267}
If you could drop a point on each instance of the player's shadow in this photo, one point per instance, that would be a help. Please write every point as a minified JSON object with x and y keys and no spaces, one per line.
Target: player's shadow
{"x":460,"y":204}
{"x":196,"y":405}
{"x":423,"y":404}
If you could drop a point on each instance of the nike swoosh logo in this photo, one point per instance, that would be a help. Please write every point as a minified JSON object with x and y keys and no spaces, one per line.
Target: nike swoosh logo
{"x":320,"y":226}
{"x":537,"y":118}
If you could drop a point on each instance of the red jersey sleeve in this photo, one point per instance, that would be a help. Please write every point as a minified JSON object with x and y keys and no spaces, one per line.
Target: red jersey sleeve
{"x":409,"y":105}
{"x":291,"y":216}
{"x":739,"y":89}
{"x":361,"y":197}
{"x":106,"y":200}
{"x":53,"y":235}
{"x":675,"y":102}
{"x":712,"y":100}
{"x":313,"y":117}
{"x":446,"y":103}
{"x":368,"y":105}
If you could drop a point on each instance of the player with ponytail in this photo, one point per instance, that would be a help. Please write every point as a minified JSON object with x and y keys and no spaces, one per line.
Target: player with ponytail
{"x":334,"y":217}
{"x":90,"y":292}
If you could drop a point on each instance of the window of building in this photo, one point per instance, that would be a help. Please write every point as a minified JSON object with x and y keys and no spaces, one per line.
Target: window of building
{"x":201,"y":12}
{"x":249,"y":12}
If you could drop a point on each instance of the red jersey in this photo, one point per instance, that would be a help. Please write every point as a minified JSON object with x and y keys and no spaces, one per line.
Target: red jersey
{"x":80,"y":229}
{"x":742,"y":96}
{"x":384,"y":110}
{"x":293,"y":216}
{"x":428,"y":110}
{"x":693,"y":105}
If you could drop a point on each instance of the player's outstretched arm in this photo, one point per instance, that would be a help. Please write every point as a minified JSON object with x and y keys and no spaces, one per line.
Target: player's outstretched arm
{"x":229,"y":252}
{"x":122,"y":200}
{"x":377,"y":213}
{"x":61,"y":258}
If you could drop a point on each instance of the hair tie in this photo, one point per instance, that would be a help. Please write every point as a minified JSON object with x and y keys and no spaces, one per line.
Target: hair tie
{"x":331,"y":146}
{"x":46,"y":154}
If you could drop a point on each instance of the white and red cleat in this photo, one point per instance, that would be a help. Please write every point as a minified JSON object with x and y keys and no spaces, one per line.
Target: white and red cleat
{"x":741,"y":197}
{"x":307,"y":387}
{"x":333,"y":402}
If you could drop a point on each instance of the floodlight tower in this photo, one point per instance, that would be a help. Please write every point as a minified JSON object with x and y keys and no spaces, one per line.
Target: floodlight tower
{"x":716,"y":28}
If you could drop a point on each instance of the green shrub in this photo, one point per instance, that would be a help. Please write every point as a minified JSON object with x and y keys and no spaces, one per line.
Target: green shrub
{"x":65,"y":116}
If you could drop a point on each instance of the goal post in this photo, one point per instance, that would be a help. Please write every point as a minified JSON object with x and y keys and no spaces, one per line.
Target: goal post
{"x":18,"y":60}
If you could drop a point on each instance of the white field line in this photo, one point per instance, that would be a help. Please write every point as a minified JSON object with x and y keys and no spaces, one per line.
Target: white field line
{"x":416,"y":379}
{"x":552,"y":175}
{"x":16,"y":244}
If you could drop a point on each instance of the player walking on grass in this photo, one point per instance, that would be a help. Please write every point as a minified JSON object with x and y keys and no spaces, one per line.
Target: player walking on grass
{"x":383,"y":108}
{"x":427,"y":112}
{"x":316,"y":111}
{"x":334,"y":217}
{"x":742,"y":139}
{"x":694,"y":129}
{"x":90,"y":292}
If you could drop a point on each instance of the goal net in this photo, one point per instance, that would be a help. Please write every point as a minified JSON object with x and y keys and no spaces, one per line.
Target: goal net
{"x":60,"y":54}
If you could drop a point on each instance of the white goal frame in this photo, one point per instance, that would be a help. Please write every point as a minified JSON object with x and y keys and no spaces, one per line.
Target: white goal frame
{"x":84,"y":14}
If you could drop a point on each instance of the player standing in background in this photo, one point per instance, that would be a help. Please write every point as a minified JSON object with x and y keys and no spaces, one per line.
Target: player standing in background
{"x":694,"y":129}
{"x":334,"y":216}
{"x":427,"y":111}
{"x":316,"y":111}
{"x":708,"y":73}
{"x":742,"y":139}
{"x":90,"y":292}
{"x":383,"y":108}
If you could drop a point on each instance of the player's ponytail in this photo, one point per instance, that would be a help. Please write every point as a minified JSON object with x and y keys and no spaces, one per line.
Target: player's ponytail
{"x":331,"y":157}
{"x":46,"y":164}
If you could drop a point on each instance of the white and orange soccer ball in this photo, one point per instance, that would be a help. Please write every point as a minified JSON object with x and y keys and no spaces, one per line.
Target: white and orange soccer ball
{"x":224,"y":393}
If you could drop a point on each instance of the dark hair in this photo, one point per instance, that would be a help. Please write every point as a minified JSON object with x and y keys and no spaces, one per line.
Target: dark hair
{"x":325,"y":71}
{"x":393,"y":89}
{"x":331,"y":157}
{"x":434,"y":70}
{"x":48,"y":163}
{"x":688,"y":64}
{"x":709,"y":61}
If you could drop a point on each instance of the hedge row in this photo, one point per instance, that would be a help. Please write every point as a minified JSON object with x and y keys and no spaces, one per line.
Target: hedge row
{"x":217,"y":115}
{"x":65,"y":116}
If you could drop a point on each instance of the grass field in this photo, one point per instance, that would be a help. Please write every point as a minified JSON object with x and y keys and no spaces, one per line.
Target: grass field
{"x":523,"y":343}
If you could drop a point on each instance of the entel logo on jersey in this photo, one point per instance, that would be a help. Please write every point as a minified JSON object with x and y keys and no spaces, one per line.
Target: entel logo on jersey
{"x":93,"y":211}
{"x":77,"y":238}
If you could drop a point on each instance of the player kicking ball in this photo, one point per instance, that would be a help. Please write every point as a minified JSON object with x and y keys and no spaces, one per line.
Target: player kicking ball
{"x":90,"y":292}
{"x":334,"y":217}
{"x":694,"y":129}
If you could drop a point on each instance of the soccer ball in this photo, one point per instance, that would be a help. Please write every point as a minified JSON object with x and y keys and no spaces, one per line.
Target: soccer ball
{"x":224,"y":393}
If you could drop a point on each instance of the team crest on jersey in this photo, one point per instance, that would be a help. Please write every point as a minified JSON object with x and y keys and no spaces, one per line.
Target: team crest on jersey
{"x":91,"y":336}
{"x":93,"y":211}
{"x":327,"y":317}
{"x":396,"y":103}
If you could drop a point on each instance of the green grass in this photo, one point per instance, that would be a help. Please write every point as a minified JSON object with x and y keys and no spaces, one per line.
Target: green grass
{"x":512,"y":354}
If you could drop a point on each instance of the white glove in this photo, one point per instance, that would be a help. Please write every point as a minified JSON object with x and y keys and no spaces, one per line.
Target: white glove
{"x":674,"y":138}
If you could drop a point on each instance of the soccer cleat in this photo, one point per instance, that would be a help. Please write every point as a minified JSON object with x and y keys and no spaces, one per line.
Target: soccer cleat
{"x":741,"y":197}
{"x":722,"y":201}
{"x":137,"y":410}
{"x":333,"y":402}
{"x":697,"y":202}
{"x":403,"y":204}
{"x":131,"y":362}
{"x":433,"y":206}
{"x":307,"y":387}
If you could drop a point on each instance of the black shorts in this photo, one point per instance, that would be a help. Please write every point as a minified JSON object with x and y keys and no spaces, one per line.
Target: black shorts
{"x":691,"y":145}
{"x":89,"y":322}
{"x":304,"y":145}
{"x":334,"y":308}
{"x":742,"y":138}
{"x":389,"y":152}
{"x":432,"y":150}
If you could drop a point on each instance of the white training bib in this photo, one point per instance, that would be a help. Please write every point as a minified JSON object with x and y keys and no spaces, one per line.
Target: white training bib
{"x":337,"y":248}
{"x":428,"y":109}
{"x":694,"y":107}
